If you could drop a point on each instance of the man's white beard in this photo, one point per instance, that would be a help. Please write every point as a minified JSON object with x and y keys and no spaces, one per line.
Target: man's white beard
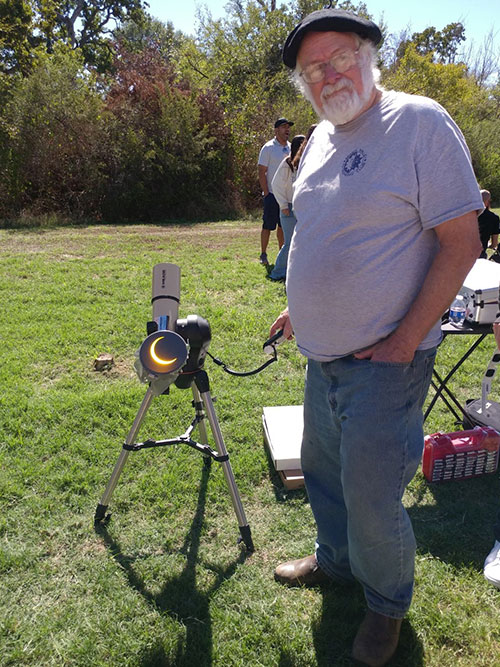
{"x":344,"y":106}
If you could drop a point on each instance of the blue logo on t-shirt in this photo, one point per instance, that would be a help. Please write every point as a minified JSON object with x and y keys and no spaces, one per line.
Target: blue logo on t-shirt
{"x":355,"y":161}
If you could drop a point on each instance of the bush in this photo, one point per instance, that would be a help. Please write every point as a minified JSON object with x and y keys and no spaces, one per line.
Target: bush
{"x":139,"y":145}
{"x":170,"y":155}
{"x":54,"y":140}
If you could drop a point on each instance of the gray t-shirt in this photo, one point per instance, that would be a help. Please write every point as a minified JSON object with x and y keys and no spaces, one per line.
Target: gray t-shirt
{"x":367,"y":197}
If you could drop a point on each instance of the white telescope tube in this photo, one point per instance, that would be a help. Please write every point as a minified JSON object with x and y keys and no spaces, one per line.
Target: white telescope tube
{"x":166,"y":295}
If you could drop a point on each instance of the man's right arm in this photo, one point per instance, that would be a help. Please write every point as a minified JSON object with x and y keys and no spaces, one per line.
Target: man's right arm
{"x":263,"y":179}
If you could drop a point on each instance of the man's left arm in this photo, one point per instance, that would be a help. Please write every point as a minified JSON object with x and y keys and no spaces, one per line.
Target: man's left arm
{"x":459,"y":247}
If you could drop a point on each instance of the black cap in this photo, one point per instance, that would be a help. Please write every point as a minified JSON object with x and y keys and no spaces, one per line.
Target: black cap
{"x":282,"y":121}
{"x":324,"y":20}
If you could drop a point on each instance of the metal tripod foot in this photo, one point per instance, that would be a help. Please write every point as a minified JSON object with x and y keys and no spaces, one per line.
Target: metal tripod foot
{"x":100,"y":515}
{"x":246,"y":538}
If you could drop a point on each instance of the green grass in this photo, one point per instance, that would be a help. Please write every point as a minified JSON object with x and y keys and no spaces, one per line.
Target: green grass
{"x":165,"y":582}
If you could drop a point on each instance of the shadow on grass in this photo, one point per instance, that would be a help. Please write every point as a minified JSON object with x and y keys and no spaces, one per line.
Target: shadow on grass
{"x":343,"y":610}
{"x":457,"y":527}
{"x":180,"y":597}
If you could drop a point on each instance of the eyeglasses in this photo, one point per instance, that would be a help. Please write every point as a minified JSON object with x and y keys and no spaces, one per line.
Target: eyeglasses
{"x":340,"y":62}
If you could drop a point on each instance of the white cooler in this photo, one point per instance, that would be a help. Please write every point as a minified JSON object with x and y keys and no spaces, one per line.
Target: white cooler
{"x":480,"y":291}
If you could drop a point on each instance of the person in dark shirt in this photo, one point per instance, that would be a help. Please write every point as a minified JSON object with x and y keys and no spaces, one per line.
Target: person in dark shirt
{"x":489,"y":225}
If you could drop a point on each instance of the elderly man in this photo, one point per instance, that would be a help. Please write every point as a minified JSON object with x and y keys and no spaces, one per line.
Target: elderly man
{"x":386,"y":204}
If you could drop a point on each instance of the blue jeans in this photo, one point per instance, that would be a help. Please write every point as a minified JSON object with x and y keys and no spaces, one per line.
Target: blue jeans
{"x":362,"y":444}
{"x":287,"y":225}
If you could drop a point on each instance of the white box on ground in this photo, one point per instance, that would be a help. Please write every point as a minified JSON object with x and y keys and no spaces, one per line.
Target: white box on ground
{"x":480,"y":291}
{"x":283,"y":426}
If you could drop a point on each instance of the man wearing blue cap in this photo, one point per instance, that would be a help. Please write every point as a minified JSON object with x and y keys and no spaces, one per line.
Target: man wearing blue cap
{"x":386,"y":204}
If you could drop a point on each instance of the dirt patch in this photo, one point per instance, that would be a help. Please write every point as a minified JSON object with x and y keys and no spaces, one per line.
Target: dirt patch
{"x":121,"y":368}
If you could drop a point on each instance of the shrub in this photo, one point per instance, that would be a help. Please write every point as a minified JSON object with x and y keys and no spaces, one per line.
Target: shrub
{"x":54,"y":140}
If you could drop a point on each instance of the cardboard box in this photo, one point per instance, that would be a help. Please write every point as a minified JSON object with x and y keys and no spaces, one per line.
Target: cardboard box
{"x":283,"y":426}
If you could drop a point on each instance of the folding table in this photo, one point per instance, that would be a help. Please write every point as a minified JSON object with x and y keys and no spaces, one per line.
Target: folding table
{"x":440,"y":385}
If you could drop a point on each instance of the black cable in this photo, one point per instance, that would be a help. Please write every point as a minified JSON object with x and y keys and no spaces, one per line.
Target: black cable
{"x":247,"y":373}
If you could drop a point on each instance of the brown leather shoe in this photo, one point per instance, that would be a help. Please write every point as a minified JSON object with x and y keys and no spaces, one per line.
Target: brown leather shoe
{"x":302,"y":572}
{"x":377,"y":639}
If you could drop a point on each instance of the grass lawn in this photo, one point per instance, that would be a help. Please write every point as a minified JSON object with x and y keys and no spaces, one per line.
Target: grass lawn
{"x":165,"y":583}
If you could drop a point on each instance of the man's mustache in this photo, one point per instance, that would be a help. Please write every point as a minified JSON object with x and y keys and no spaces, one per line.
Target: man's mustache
{"x":334,"y":87}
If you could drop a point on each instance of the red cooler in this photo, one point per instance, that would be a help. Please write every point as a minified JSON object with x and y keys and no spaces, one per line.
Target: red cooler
{"x":460,"y":455}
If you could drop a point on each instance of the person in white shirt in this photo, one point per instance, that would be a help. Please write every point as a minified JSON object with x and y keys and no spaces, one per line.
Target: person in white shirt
{"x":282,"y":185}
{"x":270,"y":157}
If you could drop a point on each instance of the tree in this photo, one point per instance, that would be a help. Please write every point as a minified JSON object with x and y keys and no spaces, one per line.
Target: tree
{"x":16,"y":36}
{"x":303,"y":7}
{"x":484,"y":63}
{"x":420,"y":75}
{"x":149,"y":33}
{"x":170,"y":150}
{"x":241,"y":55}
{"x":87,"y":25}
{"x":441,"y":45}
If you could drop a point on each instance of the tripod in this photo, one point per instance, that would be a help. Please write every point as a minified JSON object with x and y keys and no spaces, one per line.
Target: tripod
{"x":196,"y":331}
{"x":174,"y":352}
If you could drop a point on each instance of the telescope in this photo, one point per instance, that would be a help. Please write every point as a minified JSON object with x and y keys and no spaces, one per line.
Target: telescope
{"x":173,"y":353}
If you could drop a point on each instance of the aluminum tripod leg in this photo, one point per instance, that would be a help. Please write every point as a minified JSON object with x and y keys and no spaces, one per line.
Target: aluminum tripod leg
{"x":206,"y":398}
{"x":200,"y":413}
{"x":122,"y":459}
